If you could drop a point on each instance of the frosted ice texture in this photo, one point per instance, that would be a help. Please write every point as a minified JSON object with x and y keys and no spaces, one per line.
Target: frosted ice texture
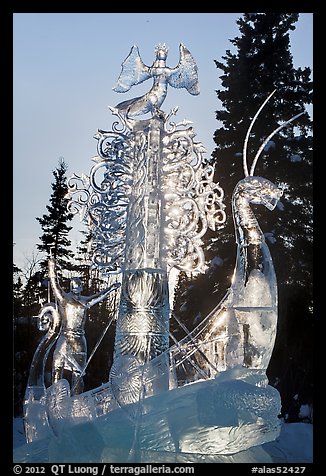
{"x":149,"y":198}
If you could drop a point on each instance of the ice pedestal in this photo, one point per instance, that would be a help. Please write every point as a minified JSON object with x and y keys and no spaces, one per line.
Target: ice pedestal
{"x":210,"y":420}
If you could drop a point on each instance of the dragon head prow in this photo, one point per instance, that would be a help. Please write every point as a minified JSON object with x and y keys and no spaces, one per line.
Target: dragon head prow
{"x":259,"y":191}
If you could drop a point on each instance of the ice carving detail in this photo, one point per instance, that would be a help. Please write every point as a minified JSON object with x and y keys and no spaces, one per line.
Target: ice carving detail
{"x":134,"y":71}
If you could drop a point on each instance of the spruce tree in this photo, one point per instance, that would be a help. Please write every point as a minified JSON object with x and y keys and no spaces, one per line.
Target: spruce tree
{"x":55,"y":223}
{"x":263,"y":63}
{"x":83,"y":263}
{"x":17,"y":291}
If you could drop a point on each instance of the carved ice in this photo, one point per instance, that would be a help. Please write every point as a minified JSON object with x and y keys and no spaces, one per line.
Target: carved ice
{"x":197,"y":422}
{"x":149,"y":200}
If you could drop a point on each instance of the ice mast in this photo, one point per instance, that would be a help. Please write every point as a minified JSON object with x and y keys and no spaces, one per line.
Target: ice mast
{"x":149,"y":200}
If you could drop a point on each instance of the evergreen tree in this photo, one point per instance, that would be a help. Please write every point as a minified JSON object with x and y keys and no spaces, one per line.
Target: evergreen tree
{"x":34,"y":294}
{"x":83,"y":263}
{"x":54,"y":224}
{"x":17,"y":291}
{"x":26,"y":300}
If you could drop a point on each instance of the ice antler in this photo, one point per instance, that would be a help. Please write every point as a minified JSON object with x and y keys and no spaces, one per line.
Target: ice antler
{"x":245,"y":144}
{"x":261,"y":148}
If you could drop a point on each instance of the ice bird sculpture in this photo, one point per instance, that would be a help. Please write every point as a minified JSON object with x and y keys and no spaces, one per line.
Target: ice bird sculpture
{"x":134,"y":71}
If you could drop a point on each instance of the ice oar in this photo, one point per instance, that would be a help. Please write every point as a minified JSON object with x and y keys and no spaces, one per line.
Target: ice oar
{"x":92,"y":354}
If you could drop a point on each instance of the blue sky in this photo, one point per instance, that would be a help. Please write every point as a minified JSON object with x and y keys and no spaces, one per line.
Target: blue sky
{"x":65,"y":65}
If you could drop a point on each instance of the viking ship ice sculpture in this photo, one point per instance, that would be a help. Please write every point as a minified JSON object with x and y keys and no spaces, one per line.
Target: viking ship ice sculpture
{"x":149,"y":199}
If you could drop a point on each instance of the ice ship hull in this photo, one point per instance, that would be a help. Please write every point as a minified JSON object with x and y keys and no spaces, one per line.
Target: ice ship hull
{"x":197,"y":422}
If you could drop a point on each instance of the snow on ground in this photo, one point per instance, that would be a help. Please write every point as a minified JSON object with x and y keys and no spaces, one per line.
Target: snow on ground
{"x":295,"y":442}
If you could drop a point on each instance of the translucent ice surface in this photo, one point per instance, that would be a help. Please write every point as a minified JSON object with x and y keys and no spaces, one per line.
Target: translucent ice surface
{"x":220,"y":416}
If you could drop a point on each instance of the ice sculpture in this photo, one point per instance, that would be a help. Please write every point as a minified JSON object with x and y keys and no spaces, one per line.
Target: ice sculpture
{"x":71,"y":349}
{"x":134,"y":71}
{"x":241,"y":330}
{"x":208,"y":421}
{"x":35,"y":413}
{"x":149,"y":200}
{"x":65,"y":327}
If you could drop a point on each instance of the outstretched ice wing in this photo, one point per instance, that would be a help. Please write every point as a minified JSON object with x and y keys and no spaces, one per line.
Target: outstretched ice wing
{"x":185,"y":74}
{"x":134,"y":71}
